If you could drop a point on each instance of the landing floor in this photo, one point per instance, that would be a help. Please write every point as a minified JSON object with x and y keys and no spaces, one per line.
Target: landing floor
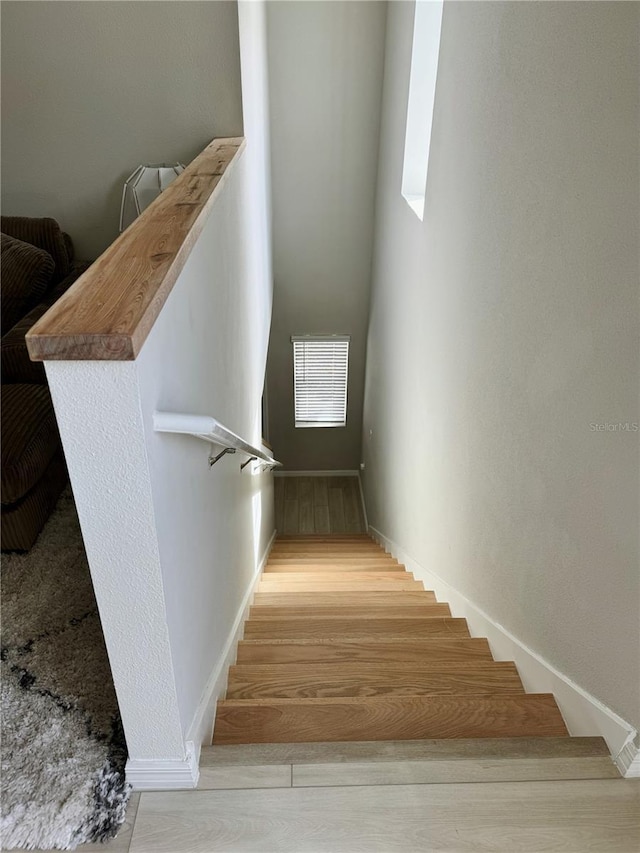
{"x":575,"y":816}
{"x":318,"y":505}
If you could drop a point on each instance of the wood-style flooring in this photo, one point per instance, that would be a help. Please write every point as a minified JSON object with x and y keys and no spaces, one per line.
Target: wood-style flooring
{"x":343,"y":644}
{"x":318,"y":505}
{"x":364,"y":667}
{"x":588,"y":815}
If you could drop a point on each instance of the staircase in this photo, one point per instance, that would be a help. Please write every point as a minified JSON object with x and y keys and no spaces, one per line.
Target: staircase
{"x":343,"y":644}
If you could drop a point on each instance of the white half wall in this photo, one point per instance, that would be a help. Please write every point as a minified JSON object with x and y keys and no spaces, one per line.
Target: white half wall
{"x":173,"y":545}
{"x":503,"y":337}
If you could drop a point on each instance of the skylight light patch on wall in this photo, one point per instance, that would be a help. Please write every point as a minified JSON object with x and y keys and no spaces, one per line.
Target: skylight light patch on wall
{"x":422,"y":92}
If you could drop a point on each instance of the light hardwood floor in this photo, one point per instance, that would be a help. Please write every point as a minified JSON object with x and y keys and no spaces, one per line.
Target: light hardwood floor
{"x":318,"y":505}
{"x":573,"y":816}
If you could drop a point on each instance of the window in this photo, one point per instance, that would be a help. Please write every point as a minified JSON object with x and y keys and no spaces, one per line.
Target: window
{"x":422,"y":92}
{"x":320,"y":370}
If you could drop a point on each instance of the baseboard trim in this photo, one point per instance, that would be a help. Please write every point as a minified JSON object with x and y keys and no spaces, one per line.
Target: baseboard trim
{"x":201,"y":729}
{"x":174,"y":774}
{"x":164,"y":774}
{"x":583,"y":713}
{"x":315,"y":473}
{"x":628,"y":760}
{"x":363,"y":503}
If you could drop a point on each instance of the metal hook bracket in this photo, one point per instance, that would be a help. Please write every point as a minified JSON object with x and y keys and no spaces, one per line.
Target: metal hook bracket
{"x":214,"y":459}
{"x":250,"y":459}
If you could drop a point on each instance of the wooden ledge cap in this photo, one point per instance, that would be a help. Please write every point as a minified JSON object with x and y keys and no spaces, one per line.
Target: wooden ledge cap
{"x":107,"y":314}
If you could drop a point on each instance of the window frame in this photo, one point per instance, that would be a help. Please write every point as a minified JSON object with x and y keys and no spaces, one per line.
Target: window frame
{"x":326,"y":423}
{"x":423,"y":83}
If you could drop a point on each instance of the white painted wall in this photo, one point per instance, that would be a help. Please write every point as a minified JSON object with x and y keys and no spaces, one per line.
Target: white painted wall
{"x":173,"y":546}
{"x":325,"y":70}
{"x":506,"y":324}
{"x":91,"y":90}
{"x":206,"y":355}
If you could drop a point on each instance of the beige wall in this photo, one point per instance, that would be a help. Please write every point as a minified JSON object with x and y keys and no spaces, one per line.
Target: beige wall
{"x":506,"y":324}
{"x":90,"y":90}
{"x":325,"y":71}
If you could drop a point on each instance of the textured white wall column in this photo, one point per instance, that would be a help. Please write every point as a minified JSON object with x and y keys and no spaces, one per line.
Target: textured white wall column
{"x":97,"y":405}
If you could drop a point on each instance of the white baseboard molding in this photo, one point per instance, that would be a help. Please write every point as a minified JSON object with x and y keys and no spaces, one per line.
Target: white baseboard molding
{"x":201,"y":729}
{"x":164,"y":774}
{"x":363,"y":502}
{"x":315,"y":473}
{"x":172,"y":774}
{"x":628,"y":760}
{"x":583,"y":713}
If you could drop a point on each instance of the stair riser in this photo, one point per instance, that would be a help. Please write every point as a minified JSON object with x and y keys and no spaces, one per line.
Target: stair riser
{"x":361,"y":628}
{"x":332,"y":558}
{"x":344,"y":545}
{"x":296,"y":683}
{"x":418,"y":652}
{"x":388,"y":718}
{"x":328,"y":599}
{"x":340,"y":586}
{"x":330,"y":577}
{"x":408,"y":611}
{"x":324,"y":568}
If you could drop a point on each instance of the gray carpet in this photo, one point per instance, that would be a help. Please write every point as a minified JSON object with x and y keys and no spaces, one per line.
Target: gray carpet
{"x":63,"y":752}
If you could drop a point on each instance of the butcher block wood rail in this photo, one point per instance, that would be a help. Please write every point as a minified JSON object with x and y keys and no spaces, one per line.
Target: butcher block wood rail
{"x":342,"y":644}
{"x":108,"y":313}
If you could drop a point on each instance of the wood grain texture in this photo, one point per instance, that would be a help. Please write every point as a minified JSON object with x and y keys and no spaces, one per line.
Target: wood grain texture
{"x":343,"y":546}
{"x":458,"y":770}
{"x":341,"y":584}
{"x":414,"y":650}
{"x":214,"y":778}
{"x":350,"y":611}
{"x":405,"y":596}
{"x":322,"y":537}
{"x":108,"y":313}
{"x":298,"y":681}
{"x":583,"y":816}
{"x":332,"y":566}
{"x":355,"y":628}
{"x":387,"y":718}
{"x":321,"y":518}
{"x":376,"y":752}
{"x":330,"y":577}
{"x":292,"y":683}
{"x":310,"y":512}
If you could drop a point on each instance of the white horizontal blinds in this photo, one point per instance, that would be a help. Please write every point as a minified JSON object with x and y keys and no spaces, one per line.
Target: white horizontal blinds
{"x":320,"y":371}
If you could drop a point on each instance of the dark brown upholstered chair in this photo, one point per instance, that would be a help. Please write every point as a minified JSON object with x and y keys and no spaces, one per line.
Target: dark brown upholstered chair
{"x":37,"y":268}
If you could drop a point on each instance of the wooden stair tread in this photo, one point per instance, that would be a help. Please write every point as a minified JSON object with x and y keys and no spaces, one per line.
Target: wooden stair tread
{"x":340,"y":585}
{"x":305,"y":559}
{"x":406,"y":650}
{"x":330,"y":577}
{"x":355,"y":628}
{"x":428,"y":749}
{"x":342,"y":644}
{"x":332,"y":566}
{"x":327,"y":598}
{"x":356,"y":680}
{"x":330,"y":553}
{"x":323,"y":537}
{"x":387,"y":717}
{"x":350,"y":611}
{"x":327,"y":544}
